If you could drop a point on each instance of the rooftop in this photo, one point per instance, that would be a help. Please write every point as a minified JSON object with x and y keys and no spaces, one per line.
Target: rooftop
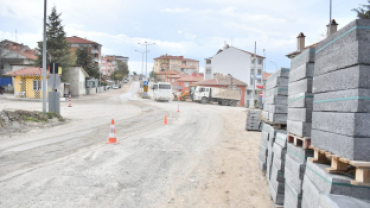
{"x":30,"y":71}
{"x":175,"y":57}
{"x":221,"y":80}
{"x":75,"y":39}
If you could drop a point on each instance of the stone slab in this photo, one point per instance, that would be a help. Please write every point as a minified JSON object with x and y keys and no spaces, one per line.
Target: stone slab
{"x":278,"y":109}
{"x":262,"y":164}
{"x":278,"y":198}
{"x":299,"y":128}
{"x":294,"y":181}
{"x":350,"y":124}
{"x":280,"y":139}
{"x":277,"y":175}
{"x":282,"y":72}
{"x":268,"y":128}
{"x":302,"y":72}
{"x":273,"y":138}
{"x":297,"y":169}
{"x":277,"y":91}
{"x":292,"y":199}
{"x":264,"y":136}
{"x":279,"y":151}
{"x":263,"y":152}
{"x":311,"y":194}
{"x":340,"y":201}
{"x":301,"y":86}
{"x":277,"y":100}
{"x":270,"y":156}
{"x":349,"y":78}
{"x":298,"y":154}
{"x":265,"y":115}
{"x":277,"y":81}
{"x":306,"y":56}
{"x":352,"y":148}
{"x":328,"y":183}
{"x":300,"y":114}
{"x":347,"y":47}
{"x":279,"y":163}
{"x":350,"y":101}
{"x":278,"y":118}
{"x":301,"y":100}
{"x":279,"y":187}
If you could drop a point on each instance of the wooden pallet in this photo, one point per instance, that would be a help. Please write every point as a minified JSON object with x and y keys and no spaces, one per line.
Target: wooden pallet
{"x":361,"y":169}
{"x":304,"y":142}
{"x":278,"y":126}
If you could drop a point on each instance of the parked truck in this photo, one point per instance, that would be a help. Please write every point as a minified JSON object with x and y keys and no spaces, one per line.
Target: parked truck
{"x":223,"y":96}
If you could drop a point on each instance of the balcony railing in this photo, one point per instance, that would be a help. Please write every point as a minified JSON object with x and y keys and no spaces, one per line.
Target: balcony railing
{"x":94,"y":51}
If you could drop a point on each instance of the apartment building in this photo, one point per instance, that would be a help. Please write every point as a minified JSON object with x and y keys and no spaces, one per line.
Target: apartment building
{"x":238,"y":63}
{"x":176,"y":63}
{"x":95,"y":48}
{"x":109,"y":63}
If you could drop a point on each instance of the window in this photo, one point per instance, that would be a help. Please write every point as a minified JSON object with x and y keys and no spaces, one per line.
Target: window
{"x":259,"y":72}
{"x":208,"y":71}
{"x":207,"y":89}
{"x":201,"y":90}
{"x":259,"y":61}
{"x":164,"y":86}
{"x":173,"y":80}
{"x":258,"y":81}
{"x":37,"y":85}
{"x":252,"y":60}
{"x":184,"y":62}
{"x":186,"y":84}
{"x":208,"y":61}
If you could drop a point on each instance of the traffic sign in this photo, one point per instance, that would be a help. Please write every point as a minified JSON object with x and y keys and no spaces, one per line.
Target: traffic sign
{"x":145,"y":83}
{"x":145,"y":88}
{"x":54,"y":81}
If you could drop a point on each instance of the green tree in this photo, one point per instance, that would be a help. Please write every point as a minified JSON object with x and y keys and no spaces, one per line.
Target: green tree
{"x":57,"y":45}
{"x":85,"y":60}
{"x":364,"y":11}
{"x":135,"y":73}
{"x":122,"y":67}
{"x":116,"y":75}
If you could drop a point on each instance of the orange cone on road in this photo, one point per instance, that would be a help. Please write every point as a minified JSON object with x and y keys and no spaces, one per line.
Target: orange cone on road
{"x":165,"y":119}
{"x":178,"y":108}
{"x":70,"y":105}
{"x":112,"y":134}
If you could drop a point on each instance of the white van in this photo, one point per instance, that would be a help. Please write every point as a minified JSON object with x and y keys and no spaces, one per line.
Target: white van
{"x":162,"y":91}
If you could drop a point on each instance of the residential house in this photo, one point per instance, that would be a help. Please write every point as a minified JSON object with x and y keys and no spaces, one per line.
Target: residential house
{"x":77,"y":81}
{"x":176,"y":63}
{"x":238,"y":63}
{"x":186,"y":81}
{"x":94,"y":47}
{"x":28,"y":82}
{"x":163,"y":75}
{"x":227,"y":81}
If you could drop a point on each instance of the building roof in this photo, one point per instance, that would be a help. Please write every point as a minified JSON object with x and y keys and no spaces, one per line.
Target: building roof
{"x":265,"y":75}
{"x":191,"y":78}
{"x":250,"y":53}
{"x":297,"y":52}
{"x":167,"y":72}
{"x":221,"y":80}
{"x":175,"y":57}
{"x":75,"y":39}
{"x":30,"y":71}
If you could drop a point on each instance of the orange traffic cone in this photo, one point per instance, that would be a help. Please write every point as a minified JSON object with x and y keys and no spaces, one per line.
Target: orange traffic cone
{"x":70,"y":105}
{"x":112,"y":134}
{"x":178,"y":108}
{"x":165,"y":119}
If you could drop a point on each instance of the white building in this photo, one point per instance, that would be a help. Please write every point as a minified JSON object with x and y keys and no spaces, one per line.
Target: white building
{"x":238,"y":63}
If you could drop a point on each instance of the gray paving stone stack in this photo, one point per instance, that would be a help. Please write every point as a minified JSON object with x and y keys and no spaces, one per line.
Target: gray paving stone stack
{"x":253,"y":120}
{"x":300,"y":98}
{"x":277,"y":179}
{"x":295,"y":166}
{"x":341,"y":107}
{"x":276,"y":96}
{"x":317,"y":182}
{"x":340,"y":201}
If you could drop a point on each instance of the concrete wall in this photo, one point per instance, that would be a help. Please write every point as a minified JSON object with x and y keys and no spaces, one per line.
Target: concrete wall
{"x":77,"y":82}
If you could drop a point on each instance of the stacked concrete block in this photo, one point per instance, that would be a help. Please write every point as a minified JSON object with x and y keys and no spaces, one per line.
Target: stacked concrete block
{"x":317,"y":181}
{"x":341,"y":110}
{"x":295,"y":166}
{"x":277,"y":96}
{"x":300,"y":100}
{"x":340,"y":201}
{"x":253,"y":120}
{"x":267,"y":130}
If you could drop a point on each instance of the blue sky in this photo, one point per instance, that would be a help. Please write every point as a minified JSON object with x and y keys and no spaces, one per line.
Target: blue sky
{"x":194,"y":29}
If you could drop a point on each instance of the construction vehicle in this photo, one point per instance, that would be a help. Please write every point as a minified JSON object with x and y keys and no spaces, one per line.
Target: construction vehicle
{"x":223,"y":96}
{"x":185,"y":95}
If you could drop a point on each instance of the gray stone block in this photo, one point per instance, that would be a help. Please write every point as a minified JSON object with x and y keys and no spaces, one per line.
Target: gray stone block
{"x":294,"y":181}
{"x":262,"y":164}
{"x":268,"y":128}
{"x":282,"y":72}
{"x":292,"y":199}
{"x":306,"y":56}
{"x":328,"y":183}
{"x":279,"y":163}
{"x":340,"y":201}
{"x":265,"y":115}
{"x":278,"y":198}
{"x":277,"y":175}
{"x":278,"y":118}
{"x":347,"y":47}
{"x":278,"y":186}
{"x":270,"y":156}
{"x":349,"y":78}
{"x":311,"y":194}
{"x":280,"y":139}
{"x":263,"y":152}
{"x":277,"y":91}
{"x":301,"y":100}
{"x":300,"y":114}
{"x":265,"y":136}
{"x":299,"y":128}
{"x":277,"y":100}
{"x":298,"y":154}
{"x":273,"y":137}
{"x":301,"y":86}
{"x":279,"y":151}
{"x":352,"y":148}
{"x":278,"y":109}
{"x":350,"y":124}
{"x":277,"y":81}
{"x":351,"y":101}
{"x":304,"y":71}
{"x":297,"y":169}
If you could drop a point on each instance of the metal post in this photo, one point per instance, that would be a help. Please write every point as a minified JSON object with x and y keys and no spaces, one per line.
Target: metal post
{"x":44,"y":64}
{"x":254,"y":74}
{"x":146,"y":61}
{"x":330,"y":20}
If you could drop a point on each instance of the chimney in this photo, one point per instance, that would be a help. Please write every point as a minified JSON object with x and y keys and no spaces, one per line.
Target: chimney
{"x":334,"y":27}
{"x":226,"y":46}
{"x":301,"y":41}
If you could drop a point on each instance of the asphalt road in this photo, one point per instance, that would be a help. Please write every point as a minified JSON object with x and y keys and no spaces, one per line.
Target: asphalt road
{"x":154,"y":165}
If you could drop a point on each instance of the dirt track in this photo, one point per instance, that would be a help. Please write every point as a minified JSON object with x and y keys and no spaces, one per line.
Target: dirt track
{"x":202,"y":158}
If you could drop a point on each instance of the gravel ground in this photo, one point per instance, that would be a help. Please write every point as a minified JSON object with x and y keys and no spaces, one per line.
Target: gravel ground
{"x":202,"y":158}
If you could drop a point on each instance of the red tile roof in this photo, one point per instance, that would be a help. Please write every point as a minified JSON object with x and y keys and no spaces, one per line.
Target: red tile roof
{"x":30,"y":54}
{"x":265,"y":75}
{"x":75,"y":39}
{"x":175,"y":57}
{"x":221,"y":80}
{"x":167,"y":73}
{"x":190,"y":78}
{"x":30,"y":71}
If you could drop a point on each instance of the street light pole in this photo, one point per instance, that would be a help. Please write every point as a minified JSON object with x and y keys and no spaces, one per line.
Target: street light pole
{"x":275,"y":64}
{"x":44,"y":63}
{"x":146,"y":56}
{"x":142,"y":61}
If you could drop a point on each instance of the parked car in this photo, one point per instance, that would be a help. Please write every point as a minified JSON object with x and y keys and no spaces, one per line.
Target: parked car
{"x":119,"y":85}
{"x":125,"y":81}
{"x":115,"y":87}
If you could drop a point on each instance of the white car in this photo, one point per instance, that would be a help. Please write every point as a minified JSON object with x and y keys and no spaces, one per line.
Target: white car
{"x":115,"y":87}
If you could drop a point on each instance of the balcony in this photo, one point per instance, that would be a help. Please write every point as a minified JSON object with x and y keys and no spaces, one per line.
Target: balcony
{"x":94,"y":51}
{"x":96,"y":59}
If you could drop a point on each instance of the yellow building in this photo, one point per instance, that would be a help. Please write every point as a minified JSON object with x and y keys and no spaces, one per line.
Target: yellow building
{"x":28,"y":82}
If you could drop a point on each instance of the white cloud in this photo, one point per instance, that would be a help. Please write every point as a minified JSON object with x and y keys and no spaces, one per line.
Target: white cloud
{"x":176,"y":10}
{"x":190,"y":36}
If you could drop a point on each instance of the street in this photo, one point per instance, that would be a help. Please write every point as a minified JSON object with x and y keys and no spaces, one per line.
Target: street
{"x":202,"y":158}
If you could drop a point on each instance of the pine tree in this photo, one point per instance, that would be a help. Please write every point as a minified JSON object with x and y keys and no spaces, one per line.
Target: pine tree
{"x":57,"y":45}
{"x":364,"y":12}
{"x":85,"y":60}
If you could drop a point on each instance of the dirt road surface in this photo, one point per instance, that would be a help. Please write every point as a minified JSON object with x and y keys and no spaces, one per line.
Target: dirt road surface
{"x":202,"y":158}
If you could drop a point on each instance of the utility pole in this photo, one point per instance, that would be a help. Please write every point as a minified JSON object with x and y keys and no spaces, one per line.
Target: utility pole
{"x":330,"y":19}
{"x":142,"y":61}
{"x":44,"y":64}
{"x":254,"y":74}
{"x":146,"y":55}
